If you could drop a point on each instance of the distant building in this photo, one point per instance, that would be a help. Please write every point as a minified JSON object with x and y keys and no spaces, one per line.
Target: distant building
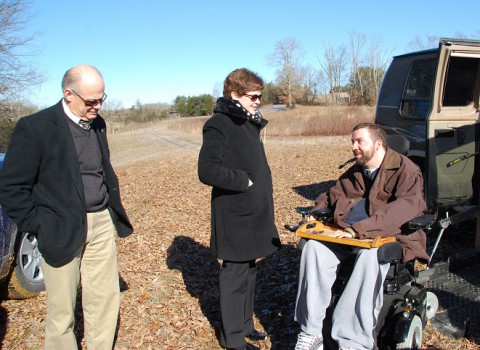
{"x":173,"y":115}
{"x":333,"y":98}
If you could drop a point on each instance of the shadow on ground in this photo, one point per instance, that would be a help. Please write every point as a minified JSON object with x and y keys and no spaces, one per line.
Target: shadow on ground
{"x":312,"y":191}
{"x":274,"y":295}
{"x":200,"y":271}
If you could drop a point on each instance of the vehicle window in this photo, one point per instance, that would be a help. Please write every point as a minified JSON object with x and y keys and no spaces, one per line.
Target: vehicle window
{"x":460,"y":82}
{"x":417,"y":97}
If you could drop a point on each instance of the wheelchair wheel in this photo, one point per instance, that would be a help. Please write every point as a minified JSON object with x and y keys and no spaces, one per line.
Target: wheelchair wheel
{"x":432,"y":305}
{"x":413,"y":340}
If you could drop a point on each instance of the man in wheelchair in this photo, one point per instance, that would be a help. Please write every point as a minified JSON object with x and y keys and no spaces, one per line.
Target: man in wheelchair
{"x":374,"y":197}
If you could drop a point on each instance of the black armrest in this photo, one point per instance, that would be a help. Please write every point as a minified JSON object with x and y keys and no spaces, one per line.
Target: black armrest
{"x":292,"y":228}
{"x":389,"y":252}
{"x":422,"y":221}
{"x":322,"y":213}
{"x":303,"y":210}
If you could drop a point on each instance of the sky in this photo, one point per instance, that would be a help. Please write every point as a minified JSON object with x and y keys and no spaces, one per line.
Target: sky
{"x":151,"y":51}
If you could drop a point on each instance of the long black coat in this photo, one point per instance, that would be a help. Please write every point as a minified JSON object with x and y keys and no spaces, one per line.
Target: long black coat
{"x":242,"y":217}
{"x":41,"y":185}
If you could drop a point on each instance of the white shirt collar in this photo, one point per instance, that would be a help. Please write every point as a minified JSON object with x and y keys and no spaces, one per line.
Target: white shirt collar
{"x":371,"y":170}
{"x":69,"y":113}
{"x":371,"y":173}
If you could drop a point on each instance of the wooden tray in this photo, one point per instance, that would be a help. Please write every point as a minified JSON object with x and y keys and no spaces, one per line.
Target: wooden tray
{"x":320,"y":232}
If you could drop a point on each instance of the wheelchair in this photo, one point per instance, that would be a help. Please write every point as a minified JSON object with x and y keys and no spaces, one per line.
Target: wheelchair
{"x":452,"y":174}
{"x":407,"y":305}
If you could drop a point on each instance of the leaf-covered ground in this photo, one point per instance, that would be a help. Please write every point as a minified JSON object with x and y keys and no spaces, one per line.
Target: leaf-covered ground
{"x":169,"y":278}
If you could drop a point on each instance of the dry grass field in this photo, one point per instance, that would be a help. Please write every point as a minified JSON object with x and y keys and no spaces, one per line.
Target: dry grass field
{"x":301,"y":121}
{"x":168,"y":276}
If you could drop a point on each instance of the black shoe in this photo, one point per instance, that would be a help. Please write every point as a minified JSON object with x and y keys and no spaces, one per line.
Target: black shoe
{"x":257,"y":336}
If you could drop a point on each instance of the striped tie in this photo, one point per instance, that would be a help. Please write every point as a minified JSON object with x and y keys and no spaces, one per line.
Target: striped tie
{"x":83,"y":124}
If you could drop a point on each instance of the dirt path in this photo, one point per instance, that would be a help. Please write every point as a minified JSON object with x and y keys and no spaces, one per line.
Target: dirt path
{"x":156,"y":141}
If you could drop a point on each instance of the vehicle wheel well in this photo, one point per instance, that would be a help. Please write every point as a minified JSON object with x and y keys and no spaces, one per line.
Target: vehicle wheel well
{"x":26,"y":260}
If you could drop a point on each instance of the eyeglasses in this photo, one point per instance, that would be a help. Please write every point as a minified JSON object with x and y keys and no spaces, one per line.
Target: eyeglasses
{"x":254,"y":97}
{"x":92,"y":103}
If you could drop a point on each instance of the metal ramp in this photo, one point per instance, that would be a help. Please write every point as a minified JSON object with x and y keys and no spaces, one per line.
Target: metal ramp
{"x":455,"y":278}
{"x":458,"y":293}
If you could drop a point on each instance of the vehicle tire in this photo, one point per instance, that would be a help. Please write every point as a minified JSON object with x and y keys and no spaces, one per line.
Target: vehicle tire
{"x":413,"y":340}
{"x":26,"y":278}
{"x":432,"y":305}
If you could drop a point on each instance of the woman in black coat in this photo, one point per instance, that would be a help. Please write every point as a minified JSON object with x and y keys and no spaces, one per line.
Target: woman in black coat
{"x":232,"y":160}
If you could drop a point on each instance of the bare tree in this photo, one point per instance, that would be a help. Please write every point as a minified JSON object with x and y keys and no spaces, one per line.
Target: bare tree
{"x":378,"y":59}
{"x":335,"y":66}
{"x":312,"y":84}
{"x":217,"y":90}
{"x":461,"y":35}
{"x":287,"y":56}
{"x":111,"y":112}
{"x":357,"y":43}
{"x":419,"y":43}
{"x":431,"y":41}
{"x":16,"y":72}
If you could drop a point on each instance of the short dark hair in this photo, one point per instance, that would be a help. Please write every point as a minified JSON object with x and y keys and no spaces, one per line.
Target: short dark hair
{"x":376,"y":132}
{"x":242,"y":81}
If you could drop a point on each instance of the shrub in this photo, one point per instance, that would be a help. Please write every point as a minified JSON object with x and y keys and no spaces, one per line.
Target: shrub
{"x":6,"y":128}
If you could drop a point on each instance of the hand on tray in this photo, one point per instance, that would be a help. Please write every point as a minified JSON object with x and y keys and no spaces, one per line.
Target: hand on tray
{"x":337,"y":234}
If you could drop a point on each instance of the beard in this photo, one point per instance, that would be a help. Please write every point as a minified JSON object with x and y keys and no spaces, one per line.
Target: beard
{"x":366,"y":156}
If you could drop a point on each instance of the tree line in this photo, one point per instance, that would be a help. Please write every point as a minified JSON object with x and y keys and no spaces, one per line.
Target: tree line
{"x":349,"y":72}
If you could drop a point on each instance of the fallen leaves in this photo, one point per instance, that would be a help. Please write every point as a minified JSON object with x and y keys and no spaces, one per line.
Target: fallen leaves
{"x":169,"y":279}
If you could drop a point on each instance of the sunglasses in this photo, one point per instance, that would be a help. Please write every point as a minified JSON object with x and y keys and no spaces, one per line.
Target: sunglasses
{"x":91,"y":103}
{"x":254,"y":97}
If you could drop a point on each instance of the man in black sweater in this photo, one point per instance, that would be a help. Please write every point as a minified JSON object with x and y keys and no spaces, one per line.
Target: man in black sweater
{"x":57,"y":182}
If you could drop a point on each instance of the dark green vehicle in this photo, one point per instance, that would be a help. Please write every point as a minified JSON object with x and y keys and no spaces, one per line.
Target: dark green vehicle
{"x":429,"y":105}
{"x":432,"y":98}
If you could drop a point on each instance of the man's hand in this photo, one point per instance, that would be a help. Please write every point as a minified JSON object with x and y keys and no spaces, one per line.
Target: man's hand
{"x":347,"y":233}
{"x":341,"y":234}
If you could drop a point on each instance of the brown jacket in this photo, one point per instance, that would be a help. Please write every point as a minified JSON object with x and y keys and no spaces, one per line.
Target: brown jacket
{"x":395,"y":198}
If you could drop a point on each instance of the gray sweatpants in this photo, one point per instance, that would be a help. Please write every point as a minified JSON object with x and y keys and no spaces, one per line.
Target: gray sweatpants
{"x":355,"y":316}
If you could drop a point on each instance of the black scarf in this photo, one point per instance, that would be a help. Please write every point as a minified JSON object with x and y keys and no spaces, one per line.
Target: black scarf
{"x":234,"y":107}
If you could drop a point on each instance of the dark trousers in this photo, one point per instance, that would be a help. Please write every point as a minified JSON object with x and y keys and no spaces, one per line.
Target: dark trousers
{"x":237,"y":290}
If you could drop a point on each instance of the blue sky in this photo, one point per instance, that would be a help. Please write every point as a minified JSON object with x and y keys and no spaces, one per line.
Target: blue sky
{"x":152,"y":51}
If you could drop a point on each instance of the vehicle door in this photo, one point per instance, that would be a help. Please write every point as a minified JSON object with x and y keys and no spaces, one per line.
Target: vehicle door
{"x":452,"y":125}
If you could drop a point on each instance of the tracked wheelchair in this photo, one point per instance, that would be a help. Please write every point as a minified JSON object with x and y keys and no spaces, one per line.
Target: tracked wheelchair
{"x":452,"y":196}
